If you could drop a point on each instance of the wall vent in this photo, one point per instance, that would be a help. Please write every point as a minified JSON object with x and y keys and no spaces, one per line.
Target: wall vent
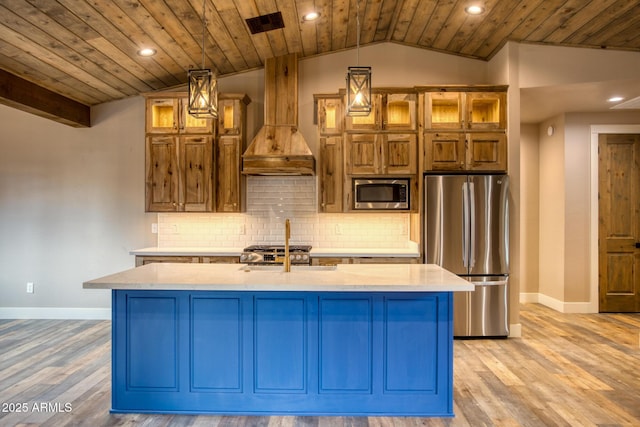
{"x":262,"y":23}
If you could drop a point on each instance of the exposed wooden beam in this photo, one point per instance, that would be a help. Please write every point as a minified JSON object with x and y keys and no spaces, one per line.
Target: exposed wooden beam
{"x":26,"y":96}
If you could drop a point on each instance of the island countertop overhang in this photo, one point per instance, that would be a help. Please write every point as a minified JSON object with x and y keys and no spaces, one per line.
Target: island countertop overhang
{"x":233,"y":277}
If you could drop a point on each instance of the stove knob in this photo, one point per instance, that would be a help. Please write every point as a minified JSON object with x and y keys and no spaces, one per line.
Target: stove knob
{"x":243,"y":257}
{"x":305,"y":257}
{"x":298,"y":257}
{"x":291,"y":257}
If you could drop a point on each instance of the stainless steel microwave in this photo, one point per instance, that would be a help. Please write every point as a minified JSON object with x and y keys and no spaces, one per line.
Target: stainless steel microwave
{"x":381,"y":193}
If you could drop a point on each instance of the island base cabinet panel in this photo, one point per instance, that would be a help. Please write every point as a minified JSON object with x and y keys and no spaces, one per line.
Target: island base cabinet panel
{"x":262,"y":353}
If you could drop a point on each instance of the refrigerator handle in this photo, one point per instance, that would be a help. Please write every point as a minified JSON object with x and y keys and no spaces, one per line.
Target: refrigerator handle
{"x":465,"y":225}
{"x":472,"y":224}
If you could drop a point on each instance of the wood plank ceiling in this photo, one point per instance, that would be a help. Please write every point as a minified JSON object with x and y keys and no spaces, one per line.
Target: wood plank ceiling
{"x":86,"y":50}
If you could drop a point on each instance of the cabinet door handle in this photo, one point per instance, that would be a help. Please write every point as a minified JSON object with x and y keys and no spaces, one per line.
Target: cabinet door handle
{"x":637,"y":245}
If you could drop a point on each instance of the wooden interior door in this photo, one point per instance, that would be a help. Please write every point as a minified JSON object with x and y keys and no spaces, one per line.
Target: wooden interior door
{"x":619,"y":222}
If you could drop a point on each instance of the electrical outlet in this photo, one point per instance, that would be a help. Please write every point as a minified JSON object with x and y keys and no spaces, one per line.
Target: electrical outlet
{"x":338,"y":229}
{"x":242,"y":229}
{"x":29,"y":287}
{"x":154,"y":228}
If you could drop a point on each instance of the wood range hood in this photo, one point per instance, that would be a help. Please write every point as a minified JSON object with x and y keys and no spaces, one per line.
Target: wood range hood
{"x":279,"y":148}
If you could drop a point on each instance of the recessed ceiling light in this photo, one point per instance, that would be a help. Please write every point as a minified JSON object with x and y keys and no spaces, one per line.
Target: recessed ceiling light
{"x":147,"y":51}
{"x":311,"y":16}
{"x":615,"y":99}
{"x":474,"y":9}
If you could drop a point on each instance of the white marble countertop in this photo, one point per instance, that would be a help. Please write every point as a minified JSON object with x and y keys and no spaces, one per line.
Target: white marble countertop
{"x":315,"y":252}
{"x":187,"y":251}
{"x":365,"y":252}
{"x":237,"y":277}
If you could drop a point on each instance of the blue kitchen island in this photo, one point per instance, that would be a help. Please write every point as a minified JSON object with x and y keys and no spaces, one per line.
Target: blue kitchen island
{"x":370,"y":339}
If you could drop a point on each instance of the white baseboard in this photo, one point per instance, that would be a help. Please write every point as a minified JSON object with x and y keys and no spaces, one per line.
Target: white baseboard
{"x":528,"y":298}
{"x":515,"y":330}
{"x":557,"y":305}
{"x":55,"y":313}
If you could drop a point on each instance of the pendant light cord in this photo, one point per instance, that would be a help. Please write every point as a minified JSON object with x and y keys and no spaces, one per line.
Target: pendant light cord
{"x":204,"y":28}
{"x":358,"y":33}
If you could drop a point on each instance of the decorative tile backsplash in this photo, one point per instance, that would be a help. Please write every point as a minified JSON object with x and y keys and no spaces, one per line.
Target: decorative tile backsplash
{"x":270,"y":200}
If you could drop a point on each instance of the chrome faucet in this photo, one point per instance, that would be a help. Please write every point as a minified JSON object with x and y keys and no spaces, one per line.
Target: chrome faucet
{"x":287,"y":236}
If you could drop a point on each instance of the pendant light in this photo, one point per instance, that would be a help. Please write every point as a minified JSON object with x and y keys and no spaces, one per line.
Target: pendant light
{"x":203,"y":86}
{"x":358,"y":81}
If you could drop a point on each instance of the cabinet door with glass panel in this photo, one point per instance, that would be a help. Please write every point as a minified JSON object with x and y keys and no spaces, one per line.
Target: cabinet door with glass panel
{"x":399,"y":111}
{"x":465,"y":110}
{"x":330,"y":116}
{"x":169,"y":114}
{"x":389,"y":111}
{"x":232,"y":113}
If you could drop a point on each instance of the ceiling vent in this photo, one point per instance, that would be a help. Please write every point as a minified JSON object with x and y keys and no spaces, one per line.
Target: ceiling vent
{"x":263,"y":23}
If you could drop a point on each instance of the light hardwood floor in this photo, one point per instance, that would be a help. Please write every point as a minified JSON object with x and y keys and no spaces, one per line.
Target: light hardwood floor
{"x":567,"y":370}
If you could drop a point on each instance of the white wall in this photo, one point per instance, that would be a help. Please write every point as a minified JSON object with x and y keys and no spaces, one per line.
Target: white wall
{"x":71,"y":205}
{"x":542,"y":66}
{"x":552,"y":209}
{"x":530,"y":209}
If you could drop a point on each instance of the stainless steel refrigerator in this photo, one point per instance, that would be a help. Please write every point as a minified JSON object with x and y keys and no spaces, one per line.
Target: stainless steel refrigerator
{"x":467,"y":232}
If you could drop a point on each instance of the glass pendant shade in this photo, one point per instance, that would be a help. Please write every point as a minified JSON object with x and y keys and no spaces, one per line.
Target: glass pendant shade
{"x":203,"y":94}
{"x":359,"y":91}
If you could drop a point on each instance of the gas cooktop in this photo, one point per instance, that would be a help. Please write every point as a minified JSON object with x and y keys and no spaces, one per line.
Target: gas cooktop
{"x":274,"y":254}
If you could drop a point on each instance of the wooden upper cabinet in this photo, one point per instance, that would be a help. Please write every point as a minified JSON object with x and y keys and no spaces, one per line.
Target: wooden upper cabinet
{"x":486,"y":110}
{"x":363,"y":155}
{"x":179,"y":173}
{"x":330,"y":174}
{"x":381,"y":154}
{"x":231,"y":114}
{"x":444,"y":110}
{"x":487,"y":151}
{"x":444,"y":151}
{"x":399,"y":111}
{"x":169,"y":114}
{"x":390,"y":111}
{"x":330,"y":115}
{"x":162,"y":174}
{"x":373,"y":121}
{"x":460,"y":110}
{"x":179,"y":156}
{"x":400,"y":153}
{"x":228,"y":176}
{"x":229,"y":146}
{"x":465,"y":128}
{"x":196,"y":166}
{"x":473,"y":151}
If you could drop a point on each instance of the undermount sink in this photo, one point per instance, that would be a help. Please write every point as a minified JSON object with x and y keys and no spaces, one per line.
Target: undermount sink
{"x":278,"y":268}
